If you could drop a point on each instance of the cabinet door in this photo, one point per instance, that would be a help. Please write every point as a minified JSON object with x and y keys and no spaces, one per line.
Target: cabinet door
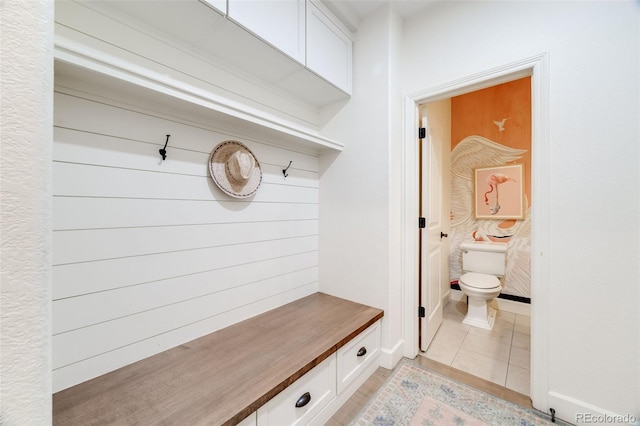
{"x":304,"y":399}
{"x":278,"y":22}
{"x":357,"y":355}
{"x":329,"y":49}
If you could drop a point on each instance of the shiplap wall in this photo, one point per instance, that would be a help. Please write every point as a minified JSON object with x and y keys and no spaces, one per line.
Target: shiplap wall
{"x":149,"y":254}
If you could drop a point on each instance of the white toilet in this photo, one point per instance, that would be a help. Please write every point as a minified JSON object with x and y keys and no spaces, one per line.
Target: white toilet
{"x":482,"y":263}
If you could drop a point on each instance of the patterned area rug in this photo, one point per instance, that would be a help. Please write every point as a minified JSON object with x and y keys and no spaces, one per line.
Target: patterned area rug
{"x":413,"y":395}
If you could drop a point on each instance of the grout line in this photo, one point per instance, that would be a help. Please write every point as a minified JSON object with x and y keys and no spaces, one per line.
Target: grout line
{"x":506,"y":376}
{"x":513,"y":325}
{"x":466,"y":334}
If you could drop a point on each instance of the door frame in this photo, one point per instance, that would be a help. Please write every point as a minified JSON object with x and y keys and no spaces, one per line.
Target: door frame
{"x":537,"y":68}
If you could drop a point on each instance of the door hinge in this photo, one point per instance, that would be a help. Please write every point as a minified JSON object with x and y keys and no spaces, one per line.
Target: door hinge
{"x":422,"y":312}
{"x":422,"y":222}
{"x":422,"y":132}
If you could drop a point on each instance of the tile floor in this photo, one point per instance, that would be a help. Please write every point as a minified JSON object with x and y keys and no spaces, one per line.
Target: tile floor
{"x":501,"y":355}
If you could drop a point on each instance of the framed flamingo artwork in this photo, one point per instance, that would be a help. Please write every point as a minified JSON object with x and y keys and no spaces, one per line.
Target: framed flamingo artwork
{"x":498,"y":192}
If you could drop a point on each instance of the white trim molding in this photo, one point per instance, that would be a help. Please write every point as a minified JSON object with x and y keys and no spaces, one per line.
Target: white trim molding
{"x":536,"y":67}
{"x":390,"y":357}
{"x":584,"y":413}
{"x":410,"y":236}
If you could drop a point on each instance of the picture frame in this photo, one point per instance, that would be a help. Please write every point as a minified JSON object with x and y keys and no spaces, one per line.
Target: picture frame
{"x":499,"y":192}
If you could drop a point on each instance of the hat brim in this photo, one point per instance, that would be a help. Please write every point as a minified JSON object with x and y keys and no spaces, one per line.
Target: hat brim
{"x":217,"y":169}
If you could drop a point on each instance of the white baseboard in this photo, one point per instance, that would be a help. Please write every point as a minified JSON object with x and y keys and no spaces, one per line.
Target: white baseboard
{"x":580,"y":413}
{"x":502,"y":304}
{"x":457,"y":296}
{"x":446,"y":297}
{"x":390,"y":357}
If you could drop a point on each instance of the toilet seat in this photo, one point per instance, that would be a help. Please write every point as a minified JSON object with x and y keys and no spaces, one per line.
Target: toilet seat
{"x":480,"y":281}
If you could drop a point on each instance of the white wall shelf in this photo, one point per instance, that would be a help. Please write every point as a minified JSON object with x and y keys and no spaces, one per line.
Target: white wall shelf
{"x":111,"y":51}
{"x":127,"y":87}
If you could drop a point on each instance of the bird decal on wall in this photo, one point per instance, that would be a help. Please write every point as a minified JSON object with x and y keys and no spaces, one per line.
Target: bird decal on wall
{"x":500,"y":124}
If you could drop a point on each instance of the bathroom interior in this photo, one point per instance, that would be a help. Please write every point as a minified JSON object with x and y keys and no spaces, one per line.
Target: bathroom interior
{"x":489,"y":128}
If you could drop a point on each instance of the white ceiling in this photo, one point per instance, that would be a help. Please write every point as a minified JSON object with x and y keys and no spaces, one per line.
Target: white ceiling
{"x":351,"y":12}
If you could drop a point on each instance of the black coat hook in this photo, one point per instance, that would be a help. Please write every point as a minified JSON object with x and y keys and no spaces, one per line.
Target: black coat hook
{"x":284,"y":171}
{"x":163,"y":151}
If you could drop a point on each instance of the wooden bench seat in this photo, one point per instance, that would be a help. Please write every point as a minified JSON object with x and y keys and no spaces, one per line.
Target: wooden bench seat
{"x":223,"y":377}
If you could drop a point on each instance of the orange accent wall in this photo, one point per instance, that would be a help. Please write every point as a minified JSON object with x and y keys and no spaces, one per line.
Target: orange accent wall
{"x":474,"y":114}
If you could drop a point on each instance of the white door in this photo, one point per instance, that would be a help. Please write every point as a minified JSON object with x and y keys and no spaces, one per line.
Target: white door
{"x":434,"y":259}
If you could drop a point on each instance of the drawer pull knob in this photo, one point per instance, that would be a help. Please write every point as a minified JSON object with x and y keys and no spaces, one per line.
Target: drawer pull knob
{"x":362,"y":351}
{"x":303,"y":400}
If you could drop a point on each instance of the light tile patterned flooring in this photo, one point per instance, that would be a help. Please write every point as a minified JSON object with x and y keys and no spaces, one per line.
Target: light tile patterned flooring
{"x":501,"y":355}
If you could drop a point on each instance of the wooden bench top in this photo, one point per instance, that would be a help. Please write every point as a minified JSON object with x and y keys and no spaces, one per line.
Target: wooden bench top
{"x":222,"y":377}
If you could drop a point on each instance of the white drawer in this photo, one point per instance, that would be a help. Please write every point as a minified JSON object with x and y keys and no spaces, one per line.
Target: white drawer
{"x":320,"y":383}
{"x":358,"y":354}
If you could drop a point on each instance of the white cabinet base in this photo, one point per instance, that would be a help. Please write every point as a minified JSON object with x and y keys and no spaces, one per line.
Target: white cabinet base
{"x":318,"y":385}
{"x":330,"y":384}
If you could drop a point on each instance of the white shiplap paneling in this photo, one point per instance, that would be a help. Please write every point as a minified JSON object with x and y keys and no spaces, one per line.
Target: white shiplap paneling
{"x":117,"y":183}
{"x":77,"y":279}
{"x":90,"y":213}
{"x":107,"y":361}
{"x":87,"y":245}
{"x":72,"y":313}
{"x":150,"y":254}
{"x":79,"y":344}
{"x":138,"y":126}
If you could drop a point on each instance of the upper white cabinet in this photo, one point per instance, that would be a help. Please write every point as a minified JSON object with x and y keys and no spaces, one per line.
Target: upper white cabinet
{"x":329,"y":49}
{"x":301,"y":30}
{"x":278,"y":22}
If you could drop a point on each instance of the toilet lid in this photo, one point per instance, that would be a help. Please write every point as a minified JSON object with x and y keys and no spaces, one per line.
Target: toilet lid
{"x":473,"y":279}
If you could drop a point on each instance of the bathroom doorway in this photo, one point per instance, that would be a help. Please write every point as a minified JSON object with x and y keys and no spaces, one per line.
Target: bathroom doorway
{"x":511,"y":320}
{"x":489,"y":127}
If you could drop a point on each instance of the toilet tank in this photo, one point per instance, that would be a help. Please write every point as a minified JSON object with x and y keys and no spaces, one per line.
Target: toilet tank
{"x":484,"y":257}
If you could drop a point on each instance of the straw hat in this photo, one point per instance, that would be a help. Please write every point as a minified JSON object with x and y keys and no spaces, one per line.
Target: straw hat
{"x":235,"y":169}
